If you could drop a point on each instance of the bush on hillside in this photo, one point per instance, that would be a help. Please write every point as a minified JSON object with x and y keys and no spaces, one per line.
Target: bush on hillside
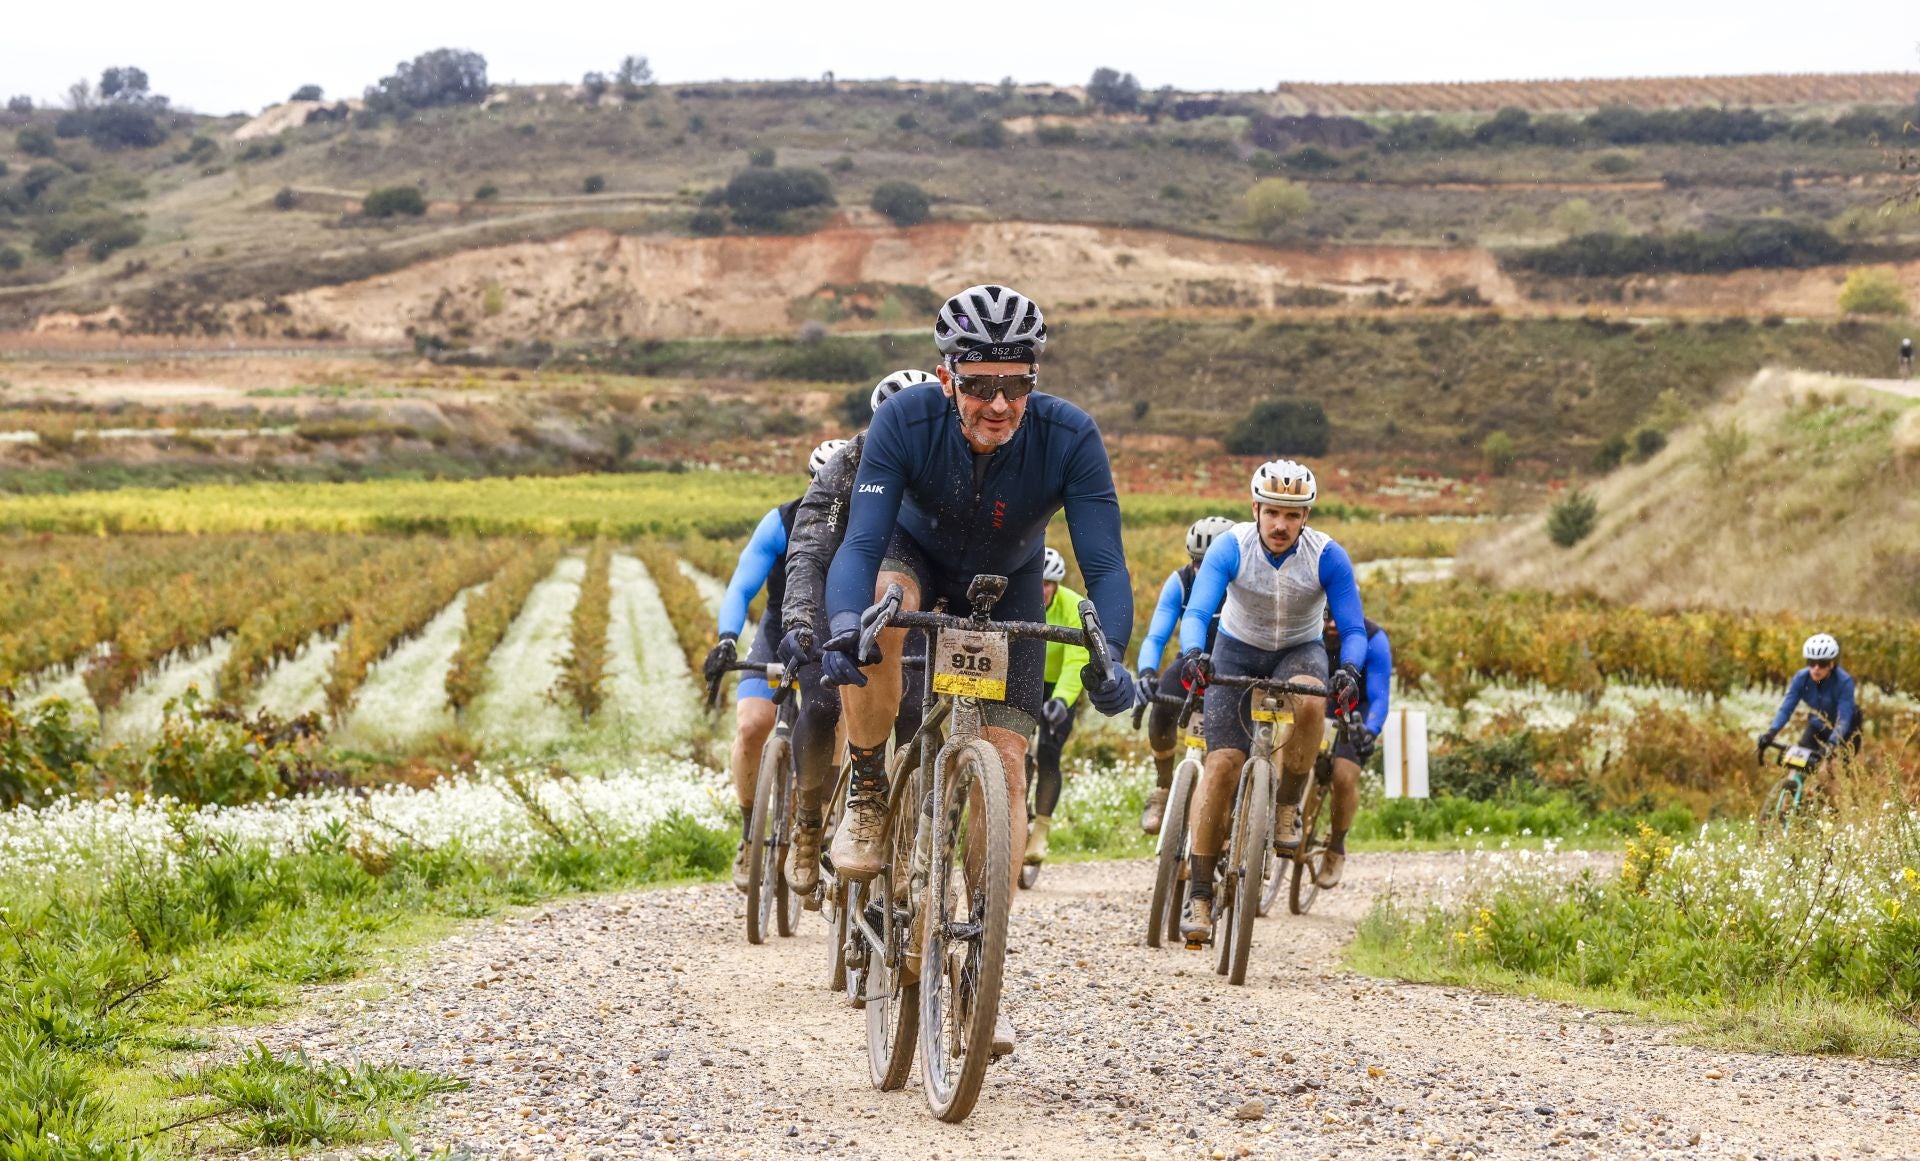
{"x":1765,"y":243}
{"x":21,"y":104}
{"x":831,"y":360}
{"x":634,"y":76}
{"x":11,"y":259}
{"x":903,"y":202}
{"x":308,"y":93}
{"x":35,"y":142}
{"x":444,"y":76}
{"x":1310,"y":159}
{"x":762,"y":157}
{"x":595,"y":183}
{"x":1572,"y":520}
{"x":761,"y":198}
{"x":1648,"y":442}
{"x":1113,"y":91}
{"x":102,"y":233}
{"x":1874,"y":290}
{"x":486,"y":192}
{"x":1276,"y":203}
{"x":1281,"y":427}
{"x":286,"y":199}
{"x":707,"y":223}
{"x":1610,"y":454}
{"x":392,"y":200}
{"x":1499,"y":452}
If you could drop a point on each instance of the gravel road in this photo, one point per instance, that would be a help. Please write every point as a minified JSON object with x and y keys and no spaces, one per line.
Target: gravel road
{"x":643,"y":1025}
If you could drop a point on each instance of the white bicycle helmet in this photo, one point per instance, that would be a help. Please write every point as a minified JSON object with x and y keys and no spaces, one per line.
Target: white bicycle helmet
{"x":1055,"y":569}
{"x":821,"y":455}
{"x":1201,"y":533}
{"x":1821,"y":647}
{"x":894,"y":384}
{"x":989,"y":315}
{"x":1285,"y":483}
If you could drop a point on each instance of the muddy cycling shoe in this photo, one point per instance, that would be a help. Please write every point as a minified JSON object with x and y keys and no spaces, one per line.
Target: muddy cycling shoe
{"x":857,"y":852}
{"x":1196,"y":923}
{"x":803,"y":859}
{"x":1331,"y":864}
{"x":1155,"y":810}
{"x":1037,"y":840}
{"x":740,"y":867}
{"x":1286,"y":829}
{"x":1004,"y":1040}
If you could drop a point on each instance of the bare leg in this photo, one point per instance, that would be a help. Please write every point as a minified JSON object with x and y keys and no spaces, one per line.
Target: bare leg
{"x":1303,"y":744}
{"x":754,"y":717}
{"x":867,"y":711}
{"x":1346,"y":795}
{"x":1213,"y":799}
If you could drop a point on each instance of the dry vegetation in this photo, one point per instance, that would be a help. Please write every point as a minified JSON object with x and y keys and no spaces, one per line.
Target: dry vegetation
{"x":1630,"y":92}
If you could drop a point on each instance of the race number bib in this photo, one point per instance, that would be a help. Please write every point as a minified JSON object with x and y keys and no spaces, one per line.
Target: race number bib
{"x":970,"y":664}
{"x":1276,"y":716}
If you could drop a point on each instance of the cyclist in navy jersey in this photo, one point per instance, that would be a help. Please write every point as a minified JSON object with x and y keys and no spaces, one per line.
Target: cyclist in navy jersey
{"x":762,"y":564}
{"x":1161,"y":726}
{"x":1355,"y":748}
{"x":956,"y":481}
{"x":1833,"y":713}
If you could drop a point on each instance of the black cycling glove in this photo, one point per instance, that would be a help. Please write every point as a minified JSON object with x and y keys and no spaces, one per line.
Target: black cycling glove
{"x":719,"y":657}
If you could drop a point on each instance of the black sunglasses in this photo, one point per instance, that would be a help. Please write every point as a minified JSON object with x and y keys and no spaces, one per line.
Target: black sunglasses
{"x":985,"y":387}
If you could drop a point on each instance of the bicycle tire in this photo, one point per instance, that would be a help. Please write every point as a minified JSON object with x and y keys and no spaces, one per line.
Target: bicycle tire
{"x":834,"y":904}
{"x":763,"y":879}
{"x":1029,"y":875}
{"x":1777,"y":807}
{"x":1270,"y":884}
{"x":1169,"y":887}
{"x":956,"y":1032}
{"x":786,"y":903}
{"x":1251,"y":851}
{"x":1313,"y":845}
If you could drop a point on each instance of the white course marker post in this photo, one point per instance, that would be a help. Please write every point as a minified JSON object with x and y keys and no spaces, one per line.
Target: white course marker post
{"x":1404,"y":746}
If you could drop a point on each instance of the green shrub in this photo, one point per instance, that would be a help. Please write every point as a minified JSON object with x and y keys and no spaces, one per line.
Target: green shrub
{"x":1610,"y":454}
{"x":906,"y":122}
{"x":1056,"y":135}
{"x":286,"y":199}
{"x":444,"y":76}
{"x":1499,"y":452}
{"x":1612,"y":164}
{"x":1764,"y":243}
{"x":101,"y":233}
{"x":486,"y":192}
{"x":830,"y":360}
{"x":44,"y":753}
{"x":1724,"y":445}
{"x":392,"y":200}
{"x":1275,"y":203}
{"x":1281,"y":426}
{"x":1648,"y":442}
{"x":595,"y":183}
{"x":707,"y":223}
{"x":1572,"y":519}
{"x":762,"y":157}
{"x":208,"y":754}
{"x":903,"y":202}
{"x":1874,"y":290}
{"x":10,"y":258}
{"x":35,"y":142}
{"x":308,"y":93}
{"x":1310,"y":159}
{"x":761,"y":198}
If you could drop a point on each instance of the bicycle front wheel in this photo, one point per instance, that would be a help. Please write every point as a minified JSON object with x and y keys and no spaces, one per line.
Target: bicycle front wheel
{"x":1274,"y":877}
{"x":965,"y":948}
{"x":765,"y":879}
{"x":1248,"y":853}
{"x":1777,"y":807}
{"x":1169,"y":881}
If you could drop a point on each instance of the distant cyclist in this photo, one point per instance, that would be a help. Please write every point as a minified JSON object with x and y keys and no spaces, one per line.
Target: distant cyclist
{"x":818,"y":528}
{"x":1272,"y":581}
{"x":1833,"y":717}
{"x":1906,"y":358}
{"x":954,"y":482}
{"x":1062,"y":698}
{"x":762,"y":564}
{"x":1355,"y":748}
{"x":1161,"y":726}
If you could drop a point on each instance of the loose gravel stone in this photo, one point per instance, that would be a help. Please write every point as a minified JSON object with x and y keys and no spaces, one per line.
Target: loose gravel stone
{"x":644,"y":1025}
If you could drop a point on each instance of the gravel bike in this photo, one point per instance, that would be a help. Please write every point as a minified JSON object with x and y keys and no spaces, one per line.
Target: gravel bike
{"x":945,"y":889}
{"x":1302,"y":876}
{"x":769,"y":827}
{"x":1786,"y":797}
{"x":1250,"y":850}
{"x":1175,"y":842}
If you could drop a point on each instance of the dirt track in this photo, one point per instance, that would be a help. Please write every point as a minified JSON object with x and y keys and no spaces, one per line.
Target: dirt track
{"x":644,"y":1025}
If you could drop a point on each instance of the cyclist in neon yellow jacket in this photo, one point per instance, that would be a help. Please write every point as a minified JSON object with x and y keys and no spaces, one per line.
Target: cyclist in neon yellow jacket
{"x":1062,"y":694}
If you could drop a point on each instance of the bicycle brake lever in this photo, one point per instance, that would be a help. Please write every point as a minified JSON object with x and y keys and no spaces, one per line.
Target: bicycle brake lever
{"x":876,"y":619}
{"x":1098,"y":658}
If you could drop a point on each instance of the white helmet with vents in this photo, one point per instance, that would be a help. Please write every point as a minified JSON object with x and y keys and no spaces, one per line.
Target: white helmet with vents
{"x":821,"y":455}
{"x":1055,"y":568}
{"x":1285,"y":483}
{"x":894,"y":384}
{"x":1821,"y":647}
{"x":989,"y":316}
{"x":1201,"y":534}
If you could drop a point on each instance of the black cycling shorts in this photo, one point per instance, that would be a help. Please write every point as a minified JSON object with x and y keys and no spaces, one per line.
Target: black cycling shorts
{"x":1023,"y":601}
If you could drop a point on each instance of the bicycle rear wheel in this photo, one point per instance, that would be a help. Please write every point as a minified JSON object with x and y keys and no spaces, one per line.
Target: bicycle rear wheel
{"x":1313,"y":847}
{"x":1030,"y":872}
{"x":1273,"y":877}
{"x":1169,"y":880}
{"x":966,"y":931}
{"x":764,"y":875}
{"x":786,"y":904}
{"x":834,"y":897}
{"x":1249,"y":850}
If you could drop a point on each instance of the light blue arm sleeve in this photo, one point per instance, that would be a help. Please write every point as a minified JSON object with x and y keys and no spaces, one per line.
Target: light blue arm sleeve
{"x":1379,"y":680}
{"x":1219,"y":567}
{"x":1848,"y":709}
{"x":1795,"y":691}
{"x":1343,"y":599}
{"x":1166,"y":618}
{"x":750,"y":574}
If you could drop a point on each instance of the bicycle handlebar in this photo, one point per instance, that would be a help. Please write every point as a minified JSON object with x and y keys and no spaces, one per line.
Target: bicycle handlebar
{"x":887,"y":614}
{"x":775,"y":673}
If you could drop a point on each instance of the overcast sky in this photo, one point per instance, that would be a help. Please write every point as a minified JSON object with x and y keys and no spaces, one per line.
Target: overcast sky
{"x":221,"y":56}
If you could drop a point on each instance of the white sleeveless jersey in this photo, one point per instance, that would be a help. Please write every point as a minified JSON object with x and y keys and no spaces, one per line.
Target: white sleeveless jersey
{"x":1276,"y":608}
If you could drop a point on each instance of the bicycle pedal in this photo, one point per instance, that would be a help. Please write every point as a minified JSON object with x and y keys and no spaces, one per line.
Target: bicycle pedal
{"x":810,"y":902}
{"x":1196,"y":944}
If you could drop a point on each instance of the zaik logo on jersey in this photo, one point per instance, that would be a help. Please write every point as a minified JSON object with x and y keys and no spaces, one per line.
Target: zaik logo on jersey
{"x":876,"y":489}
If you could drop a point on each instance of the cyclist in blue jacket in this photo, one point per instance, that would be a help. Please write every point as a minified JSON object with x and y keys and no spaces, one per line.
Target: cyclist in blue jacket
{"x":1833,"y":716}
{"x":1355,"y":748}
{"x":1161,"y":726}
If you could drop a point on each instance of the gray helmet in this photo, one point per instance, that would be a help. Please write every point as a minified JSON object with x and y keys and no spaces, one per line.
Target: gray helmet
{"x":1201,"y":534}
{"x":894,"y":384}
{"x":989,"y":315}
